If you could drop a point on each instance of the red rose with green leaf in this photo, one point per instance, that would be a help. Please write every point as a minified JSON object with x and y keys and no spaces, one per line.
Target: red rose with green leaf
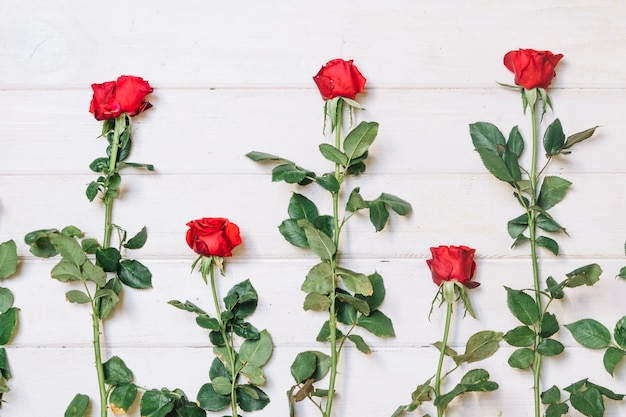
{"x":125,"y":95}
{"x":339,"y":78}
{"x":453,"y":263}
{"x":213,"y":236}
{"x":532,"y":68}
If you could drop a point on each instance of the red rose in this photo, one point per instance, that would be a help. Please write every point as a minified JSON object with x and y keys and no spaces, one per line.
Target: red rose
{"x":532,"y":68}
{"x":453,"y":263}
{"x":126,"y":95}
{"x":213,"y":236}
{"x":339,"y":78}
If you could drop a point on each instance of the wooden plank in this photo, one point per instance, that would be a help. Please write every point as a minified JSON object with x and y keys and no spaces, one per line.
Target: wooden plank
{"x":404,"y":44}
{"x":203,"y":131}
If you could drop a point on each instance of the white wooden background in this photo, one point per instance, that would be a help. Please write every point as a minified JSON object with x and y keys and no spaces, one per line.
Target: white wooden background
{"x":231,"y":77}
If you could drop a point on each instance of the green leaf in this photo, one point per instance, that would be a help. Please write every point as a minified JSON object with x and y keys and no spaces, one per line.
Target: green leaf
{"x":522,"y":306}
{"x":108,"y":296}
{"x":360,"y":343}
{"x":69,"y":248}
{"x":549,"y":325}
{"x":253,"y":374}
{"x":78,"y":406}
{"x":256,"y":352}
{"x":242,"y":299}
{"x":495,"y":165}
{"x":108,"y":258}
{"x":579,"y":137}
{"x":93,"y":273}
{"x":551,"y":396}
{"x":316,"y":302}
{"x":358,"y":141}
{"x":356,"y":282}
{"x":66,"y":271}
{"x":6,"y":300}
{"x":320,"y":243}
{"x":300,"y":207}
{"x":549,"y":244}
{"x":89,"y":246}
{"x":39,"y":242}
{"x":378,"y":214}
{"x":355,"y":201}
{"x":552,"y":191}
{"x":550,"y":347}
{"x":521,"y":336}
{"x":221,"y":385}
{"x":292,"y":174}
{"x":328,"y":182}
{"x":207,"y":322}
{"x":333,"y":154}
{"x":378,"y":291}
{"x":518,"y":225}
{"x":116,"y":372}
{"x":515,"y":144}
{"x":619,"y":333}
{"x":262,"y":156}
{"x":548,"y":224}
{"x":303,"y":366}
{"x":590,"y":333}
{"x":134,"y":274}
{"x":377,"y":323}
{"x":8,"y":259}
{"x":122,"y":397}
{"x":554,"y":138}
{"x":293,"y":233}
{"x":480,"y":346}
{"x":137,"y":241}
{"x":8,"y":322}
{"x":91,"y":192}
{"x":360,"y":305}
{"x":398,"y":205}
{"x":77,"y":296}
{"x":4,"y":364}
{"x":488,"y":136}
{"x":585,"y":275}
{"x":521,"y":358}
{"x":612,"y":357}
{"x":324,"y":333}
{"x":187,"y":306}
{"x":589,"y":402}
{"x":554,"y":288}
{"x":155,"y":403}
{"x":251,"y":398}
{"x":319,"y":279}
{"x":210,"y":400}
{"x":622,"y":272}
{"x":99,"y":165}
{"x":557,"y":410}
{"x":476,"y":380}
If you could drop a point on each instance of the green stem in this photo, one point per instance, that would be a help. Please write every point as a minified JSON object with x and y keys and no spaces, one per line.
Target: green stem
{"x":227,"y":340}
{"x":444,"y":344}
{"x":334,"y":359}
{"x":532,"y":227}
{"x":98,"y":357}
{"x":120,"y":125}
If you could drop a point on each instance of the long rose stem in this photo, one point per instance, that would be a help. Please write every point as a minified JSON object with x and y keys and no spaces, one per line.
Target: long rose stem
{"x":444,"y":344}
{"x":333,"y":264}
{"x":532,"y":226}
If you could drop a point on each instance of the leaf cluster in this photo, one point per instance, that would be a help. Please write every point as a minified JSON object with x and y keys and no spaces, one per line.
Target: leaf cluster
{"x":479,"y":346}
{"x":501,"y":156}
{"x":584,"y":396}
{"x":108,"y":183}
{"x":8,"y":313}
{"x":85,"y":260}
{"x":538,"y":324}
{"x":256,"y":349}
{"x":594,"y":335}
